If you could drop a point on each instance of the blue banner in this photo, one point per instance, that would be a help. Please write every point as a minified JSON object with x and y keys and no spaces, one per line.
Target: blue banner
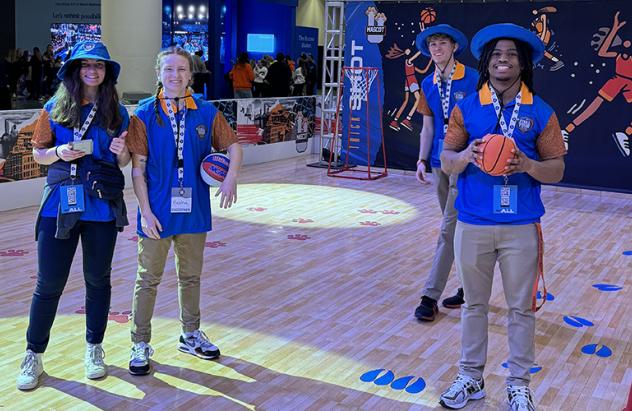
{"x":306,"y":41}
{"x":363,"y":90}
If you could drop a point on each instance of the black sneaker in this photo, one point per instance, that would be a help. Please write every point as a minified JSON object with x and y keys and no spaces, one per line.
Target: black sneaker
{"x":455,"y":301}
{"x":427,"y":309}
{"x":139,"y":363}
{"x":198,"y":344}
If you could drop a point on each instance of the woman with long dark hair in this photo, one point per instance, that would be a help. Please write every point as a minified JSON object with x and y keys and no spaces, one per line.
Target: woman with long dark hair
{"x":80,"y":134}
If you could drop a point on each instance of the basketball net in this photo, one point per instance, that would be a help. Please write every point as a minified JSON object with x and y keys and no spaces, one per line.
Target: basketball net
{"x":361,"y":80}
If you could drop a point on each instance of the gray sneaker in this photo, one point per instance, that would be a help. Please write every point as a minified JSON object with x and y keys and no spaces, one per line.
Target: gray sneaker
{"x":30,"y":371}
{"x":93,"y":361}
{"x":463,"y":389}
{"x":139,"y":362}
{"x":520,"y":398}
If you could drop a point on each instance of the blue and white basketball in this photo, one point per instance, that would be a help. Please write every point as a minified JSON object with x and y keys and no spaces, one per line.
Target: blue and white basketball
{"x":214,"y":168}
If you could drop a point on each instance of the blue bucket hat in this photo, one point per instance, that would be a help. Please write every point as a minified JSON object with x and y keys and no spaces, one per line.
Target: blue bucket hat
{"x":94,"y":50}
{"x":456,"y":35}
{"x":507,"y":31}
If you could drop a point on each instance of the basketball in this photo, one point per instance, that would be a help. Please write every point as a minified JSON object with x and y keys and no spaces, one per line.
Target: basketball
{"x":496,"y":151}
{"x":428,"y":15}
{"x":214,"y":168}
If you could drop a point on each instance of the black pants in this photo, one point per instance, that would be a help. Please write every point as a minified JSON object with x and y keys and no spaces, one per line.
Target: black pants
{"x":54,"y":259}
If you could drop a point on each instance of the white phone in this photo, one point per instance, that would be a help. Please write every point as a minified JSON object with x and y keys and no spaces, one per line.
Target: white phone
{"x":82,"y":145}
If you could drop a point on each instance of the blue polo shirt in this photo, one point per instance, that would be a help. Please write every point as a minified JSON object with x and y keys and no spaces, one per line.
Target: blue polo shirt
{"x":537,"y":134}
{"x":463,"y":84}
{"x":157,"y":143}
{"x":96,"y":209}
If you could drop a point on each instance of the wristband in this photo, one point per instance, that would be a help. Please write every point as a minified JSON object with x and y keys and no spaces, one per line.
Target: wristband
{"x":56,"y":153}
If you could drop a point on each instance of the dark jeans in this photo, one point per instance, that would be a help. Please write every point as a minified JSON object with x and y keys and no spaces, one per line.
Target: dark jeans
{"x":54,"y":258}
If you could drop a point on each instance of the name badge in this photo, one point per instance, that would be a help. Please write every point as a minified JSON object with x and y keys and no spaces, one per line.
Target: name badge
{"x":71,"y":199}
{"x":181,"y":199}
{"x":505,"y":199}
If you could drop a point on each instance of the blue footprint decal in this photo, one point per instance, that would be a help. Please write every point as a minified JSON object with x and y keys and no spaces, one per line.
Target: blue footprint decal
{"x":599,"y":350}
{"x":385,"y":379}
{"x":416,"y":387}
{"x":607,"y":287}
{"x":396,"y":384}
{"x":401,"y":383}
{"x":532,"y":370}
{"x":575,"y":321}
{"x":627,"y":252}
{"x":549,"y":296}
{"x":370,"y":376}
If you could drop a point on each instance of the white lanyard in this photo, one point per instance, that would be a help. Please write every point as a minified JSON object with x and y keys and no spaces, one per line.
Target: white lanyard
{"x":507,"y":131}
{"x":178,"y":135}
{"x":445,"y":98}
{"x":78,"y":133}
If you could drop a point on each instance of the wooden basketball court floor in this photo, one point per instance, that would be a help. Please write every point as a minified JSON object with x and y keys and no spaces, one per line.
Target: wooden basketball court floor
{"x":309,"y":283}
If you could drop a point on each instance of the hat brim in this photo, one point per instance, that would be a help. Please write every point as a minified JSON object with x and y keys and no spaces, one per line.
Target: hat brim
{"x":507,"y":31}
{"x":456,"y":35}
{"x":116,"y":67}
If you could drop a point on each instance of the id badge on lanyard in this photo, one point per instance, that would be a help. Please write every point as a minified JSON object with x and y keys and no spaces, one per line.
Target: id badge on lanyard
{"x":505,"y":197}
{"x":71,"y":197}
{"x":181,"y":197}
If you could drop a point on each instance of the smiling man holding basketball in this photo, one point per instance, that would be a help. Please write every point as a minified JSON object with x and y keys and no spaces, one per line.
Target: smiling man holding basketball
{"x":486,"y":233}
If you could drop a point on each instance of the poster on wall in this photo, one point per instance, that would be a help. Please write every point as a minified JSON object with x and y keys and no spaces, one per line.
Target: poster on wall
{"x":586,"y":74}
{"x":16,"y":158}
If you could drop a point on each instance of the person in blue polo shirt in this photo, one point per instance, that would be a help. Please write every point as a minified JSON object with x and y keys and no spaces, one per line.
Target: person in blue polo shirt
{"x":487,"y":232}
{"x":82,"y":124}
{"x":170,"y":134}
{"x":450,"y":83}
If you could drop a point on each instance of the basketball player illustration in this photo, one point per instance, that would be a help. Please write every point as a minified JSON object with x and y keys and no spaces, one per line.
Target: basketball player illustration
{"x":621,"y":83}
{"x":411,"y":85}
{"x":540,"y":25}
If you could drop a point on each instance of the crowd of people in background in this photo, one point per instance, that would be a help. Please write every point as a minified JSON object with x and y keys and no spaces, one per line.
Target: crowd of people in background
{"x":268,"y":77}
{"x":28,"y":74}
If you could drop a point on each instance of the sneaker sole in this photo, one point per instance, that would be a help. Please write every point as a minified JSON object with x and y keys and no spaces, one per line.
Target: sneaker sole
{"x":28,"y":387}
{"x":140,"y":372}
{"x":96,"y":376}
{"x":188,"y":350}
{"x":426,"y":318}
{"x":452,"y":305}
{"x":476,"y":396}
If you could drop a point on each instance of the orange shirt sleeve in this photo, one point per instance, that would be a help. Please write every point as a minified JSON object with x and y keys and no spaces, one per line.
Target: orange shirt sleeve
{"x":423,"y":107}
{"x":550,"y":143}
{"x":222,"y":134}
{"x":43,"y":135}
{"x":457,"y":135}
{"x":137,"y":137}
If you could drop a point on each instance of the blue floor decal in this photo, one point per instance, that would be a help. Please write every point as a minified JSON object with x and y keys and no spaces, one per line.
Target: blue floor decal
{"x":549,"y":296}
{"x":396,"y":384}
{"x":532,"y":370}
{"x":578,"y":322}
{"x":599,"y":350}
{"x":607,"y":287}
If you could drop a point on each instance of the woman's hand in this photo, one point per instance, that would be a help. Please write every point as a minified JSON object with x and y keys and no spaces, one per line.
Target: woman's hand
{"x":66,"y":153}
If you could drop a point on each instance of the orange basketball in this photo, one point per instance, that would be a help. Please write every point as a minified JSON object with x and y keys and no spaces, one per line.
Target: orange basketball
{"x":428,"y":15}
{"x":496,"y":151}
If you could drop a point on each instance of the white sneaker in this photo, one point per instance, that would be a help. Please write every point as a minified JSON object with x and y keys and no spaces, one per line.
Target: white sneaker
{"x":463,"y":389}
{"x":520,"y":398}
{"x":30,"y":371}
{"x":198,"y":344}
{"x":139,"y":362}
{"x":565,"y":138}
{"x":623,"y":143}
{"x":93,"y":360}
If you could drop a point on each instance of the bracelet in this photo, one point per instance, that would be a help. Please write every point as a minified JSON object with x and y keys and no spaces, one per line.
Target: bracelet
{"x":56,"y":153}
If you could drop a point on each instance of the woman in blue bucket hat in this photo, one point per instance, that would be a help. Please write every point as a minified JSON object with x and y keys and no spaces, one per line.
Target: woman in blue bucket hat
{"x":499,"y":217}
{"x":80,"y":135}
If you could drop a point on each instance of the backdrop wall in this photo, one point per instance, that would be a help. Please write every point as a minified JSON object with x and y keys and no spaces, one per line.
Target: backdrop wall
{"x":573,"y":74}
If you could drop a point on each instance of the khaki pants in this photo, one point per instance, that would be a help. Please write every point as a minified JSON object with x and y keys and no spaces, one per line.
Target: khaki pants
{"x":477,"y":248}
{"x":444,"y":252}
{"x":152,"y":256}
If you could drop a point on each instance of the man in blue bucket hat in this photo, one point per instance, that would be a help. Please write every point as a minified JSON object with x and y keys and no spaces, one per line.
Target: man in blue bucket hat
{"x":498,"y":217}
{"x":450,"y":83}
